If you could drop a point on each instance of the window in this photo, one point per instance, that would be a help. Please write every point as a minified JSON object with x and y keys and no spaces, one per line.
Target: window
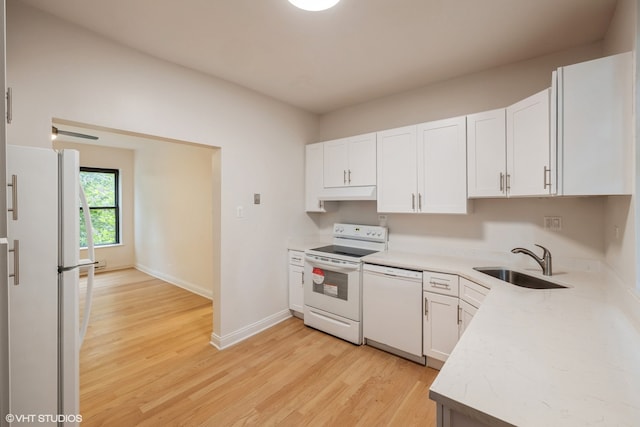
{"x":101,"y":188}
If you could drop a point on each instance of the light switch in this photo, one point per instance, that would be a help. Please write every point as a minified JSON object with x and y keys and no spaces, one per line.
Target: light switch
{"x":256,"y":198}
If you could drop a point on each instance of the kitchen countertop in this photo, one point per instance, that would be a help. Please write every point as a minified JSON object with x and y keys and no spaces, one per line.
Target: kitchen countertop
{"x":557,"y":357}
{"x":309,"y":243}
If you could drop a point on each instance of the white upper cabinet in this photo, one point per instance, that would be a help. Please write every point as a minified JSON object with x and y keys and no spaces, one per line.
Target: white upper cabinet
{"x":442,"y":166}
{"x":422,"y":169}
{"x":397,"y":170}
{"x":486,"y":153}
{"x":595,"y":126}
{"x":314,"y":155}
{"x":350,"y":162}
{"x":529,"y":147}
{"x":510,"y":151}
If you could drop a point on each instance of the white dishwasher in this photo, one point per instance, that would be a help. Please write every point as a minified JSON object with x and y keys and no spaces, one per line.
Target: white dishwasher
{"x":392,"y":310}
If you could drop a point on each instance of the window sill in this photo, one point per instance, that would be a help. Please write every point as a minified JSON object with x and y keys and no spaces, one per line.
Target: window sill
{"x":84,"y":248}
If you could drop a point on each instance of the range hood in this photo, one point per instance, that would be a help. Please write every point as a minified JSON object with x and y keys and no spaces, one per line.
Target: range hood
{"x":348,"y":193}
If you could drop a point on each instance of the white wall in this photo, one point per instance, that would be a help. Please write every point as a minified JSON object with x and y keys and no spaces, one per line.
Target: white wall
{"x":493,"y":229}
{"x":494,"y":88}
{"x":174,"y":198}
{"x":621,"y":227}
{"x":62,"y":71}
{"x":122,"y":255}
{"x":495,"y":226}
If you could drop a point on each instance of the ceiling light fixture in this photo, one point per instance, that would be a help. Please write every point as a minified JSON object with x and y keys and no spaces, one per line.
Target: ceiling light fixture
{"x":314,"y":5}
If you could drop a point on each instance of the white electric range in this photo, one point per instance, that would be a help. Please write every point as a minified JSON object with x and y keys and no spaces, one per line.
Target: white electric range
{"x":333,"y":280}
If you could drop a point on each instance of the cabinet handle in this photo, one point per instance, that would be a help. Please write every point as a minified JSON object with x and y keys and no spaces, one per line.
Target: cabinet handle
{"x":16,"y":262}
{"x":14,"y":197}
{"x":344,"y":176}
{"x":413,"y":201}
{"x":459,"y":314}
{"x":320,"y":204}
{"x":426,"y":308}
{"x":303,"y":277}
{"x":349,"y":176}
{"x":544,"y":177}
{"x":501,"y":182}
{"x":508,"y":182}
{"x":420,"y":201}
{"x":9,"y":97}
{"x":439,"y":285}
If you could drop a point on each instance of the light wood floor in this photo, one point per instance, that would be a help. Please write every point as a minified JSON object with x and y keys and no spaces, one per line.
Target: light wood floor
{"x":147,"y":361}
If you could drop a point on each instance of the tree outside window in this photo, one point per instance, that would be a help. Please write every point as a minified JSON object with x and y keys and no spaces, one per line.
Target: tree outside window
{"x":101,"y":189}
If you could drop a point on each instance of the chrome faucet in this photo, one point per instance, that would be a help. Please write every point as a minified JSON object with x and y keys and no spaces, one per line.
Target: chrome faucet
{"x":545,"y":261}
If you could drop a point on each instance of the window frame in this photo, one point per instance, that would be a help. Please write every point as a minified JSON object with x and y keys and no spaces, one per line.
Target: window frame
{"x":116,"y":208}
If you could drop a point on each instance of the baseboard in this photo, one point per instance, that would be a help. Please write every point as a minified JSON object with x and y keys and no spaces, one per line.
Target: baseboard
{"x":222,"y":342}
{"x":207,"y":293}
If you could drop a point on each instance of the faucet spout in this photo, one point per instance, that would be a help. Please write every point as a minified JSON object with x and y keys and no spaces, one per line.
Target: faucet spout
{"x":544,"y":261}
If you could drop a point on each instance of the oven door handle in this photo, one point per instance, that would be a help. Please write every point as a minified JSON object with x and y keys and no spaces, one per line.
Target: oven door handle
{"x":333,"y":266}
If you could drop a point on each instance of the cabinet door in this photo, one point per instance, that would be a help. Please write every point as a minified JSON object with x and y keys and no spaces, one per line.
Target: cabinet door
{"x":5,"y":391}
{"x":296,"y":290}
{"x":442,"y":166}
{"x":486,"y":153}
{"x":362,"y":160}
{"x":314,"y":155}
{"x":397,"y":170}
{"x":336,"y":163}
{"x":467,"y":311}
{"x":528,"y":152}
{"x":440,"y":326}
{"x":595,"y":126}
{"x":33,"y":318}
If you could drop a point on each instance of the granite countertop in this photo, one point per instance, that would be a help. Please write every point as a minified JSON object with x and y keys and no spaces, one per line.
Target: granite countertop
{"x":557,"y":357}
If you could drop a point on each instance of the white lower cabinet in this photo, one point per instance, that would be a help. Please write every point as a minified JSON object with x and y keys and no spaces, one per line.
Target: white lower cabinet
{"x":467,"y":311}
{"x":440,"y":316}
{"x":449,"y":304}
{"x":440,"y":326}
{"x":471,"y":296}
{"x":296,"y":280}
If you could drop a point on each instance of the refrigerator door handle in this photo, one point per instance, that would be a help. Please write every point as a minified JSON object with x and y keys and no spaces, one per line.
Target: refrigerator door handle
{"x":90,"y":263}
{"x":16,"y":262}
{"x":14,"y":197}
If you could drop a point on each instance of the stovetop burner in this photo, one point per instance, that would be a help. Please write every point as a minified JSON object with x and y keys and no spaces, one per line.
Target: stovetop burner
{"x":345,"y":250}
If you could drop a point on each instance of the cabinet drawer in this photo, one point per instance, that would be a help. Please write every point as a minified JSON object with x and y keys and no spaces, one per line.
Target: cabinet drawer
{"x":472,"y":293}
{"x":296,"y":258}
{"x":440,"y":283}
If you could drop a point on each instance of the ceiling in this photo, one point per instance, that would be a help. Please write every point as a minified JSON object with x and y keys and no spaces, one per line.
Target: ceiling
{"x":358,"y":51}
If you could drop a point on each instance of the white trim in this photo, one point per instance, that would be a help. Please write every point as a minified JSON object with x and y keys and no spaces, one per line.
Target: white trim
{"x":191,"y":287}
{"x":243,"y":333}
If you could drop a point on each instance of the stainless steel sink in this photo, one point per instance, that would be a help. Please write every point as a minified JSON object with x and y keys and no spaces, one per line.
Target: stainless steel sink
{"x":518,"y":279}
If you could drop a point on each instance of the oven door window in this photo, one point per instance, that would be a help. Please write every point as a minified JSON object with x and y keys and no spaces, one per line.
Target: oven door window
{"x":330,"y":283}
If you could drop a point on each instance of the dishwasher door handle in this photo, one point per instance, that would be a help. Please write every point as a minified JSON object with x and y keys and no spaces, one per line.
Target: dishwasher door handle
{"x":393,"y":276}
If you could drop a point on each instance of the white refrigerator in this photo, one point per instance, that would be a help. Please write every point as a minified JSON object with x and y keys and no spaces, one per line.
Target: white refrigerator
{"x":43,"y":235}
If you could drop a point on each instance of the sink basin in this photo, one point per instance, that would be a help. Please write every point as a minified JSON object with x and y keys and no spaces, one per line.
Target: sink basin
{"x":518,"y":279}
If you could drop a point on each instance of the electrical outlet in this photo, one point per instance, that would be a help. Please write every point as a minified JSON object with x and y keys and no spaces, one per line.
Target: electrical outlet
{"x":382,"y":220}
{"x":553,"y":223}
